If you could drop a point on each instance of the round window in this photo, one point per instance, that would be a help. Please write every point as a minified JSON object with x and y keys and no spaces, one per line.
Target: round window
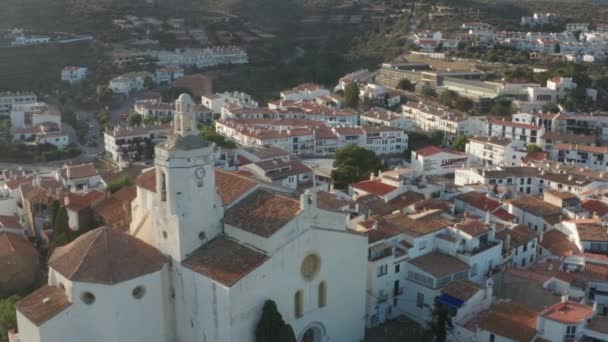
{"x":87,"y":297}
{"x":310,"y":266}
{"x":139,"y":292}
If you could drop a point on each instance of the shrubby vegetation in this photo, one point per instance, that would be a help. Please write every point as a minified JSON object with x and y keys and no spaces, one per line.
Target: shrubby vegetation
{"x":353,"y":164}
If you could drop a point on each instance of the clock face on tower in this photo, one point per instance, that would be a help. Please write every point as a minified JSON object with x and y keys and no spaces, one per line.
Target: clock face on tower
{"x":199,"y":173}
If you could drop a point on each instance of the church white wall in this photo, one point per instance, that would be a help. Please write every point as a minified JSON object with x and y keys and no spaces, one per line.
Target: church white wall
{"x":116,"y":307}
{"x":343,"y":269}
{"x":28,"y":331}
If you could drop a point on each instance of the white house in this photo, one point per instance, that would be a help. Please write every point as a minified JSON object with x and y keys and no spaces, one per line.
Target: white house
{"x":433,"y":160}
{"x":72,"y":74}
{"x":132,"y":81}
{"x":306,"y":91}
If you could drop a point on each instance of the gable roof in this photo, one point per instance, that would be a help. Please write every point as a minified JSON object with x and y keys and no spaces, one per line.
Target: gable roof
{"x":79,"y":201}
{"x":479,"y":200}
{"x":557,"y":243}
{"x":147,"y":180}
{"x":224,"y":260}
{"x":106,"y":256}
{"x":509,"y":320}
{"x":374,"y":186}
{"x":535,"y":206}
{"x":262,"y":212}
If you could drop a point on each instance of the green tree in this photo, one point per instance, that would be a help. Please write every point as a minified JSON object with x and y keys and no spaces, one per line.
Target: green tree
{"x":210,"y":134}
{"x":501,"y":107}
{"x":427,"y":91}
{"x":405,"y":84}
{"x":464,"y":104}
{"x":438,"y":326}
{"x":448,"y":98}
{"x":533,"y":148}
{"x":149,"y":83}
{"x":460,"y":142}
{"x":437,"y":138}
{"x":119,"y":183}
{"x":8,"y":316}
{"x":351,"y":95}
{"x":272,"y":327}
{"x":353,"y":164}
{"x":134,"y":119}
{"x":550,"y":107}
{"x":61,"y":229}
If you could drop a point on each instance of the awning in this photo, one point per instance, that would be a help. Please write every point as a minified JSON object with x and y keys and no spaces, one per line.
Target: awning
{"x":450,"y":301}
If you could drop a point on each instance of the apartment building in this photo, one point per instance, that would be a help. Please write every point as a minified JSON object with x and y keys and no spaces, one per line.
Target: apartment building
{"x":495,"y":151}
{"x":8,"y":99}
{"x":218,"y":101}
{"x":126,"y":144}
{"x":516,"y":131}
{"x":433,"y":117}
{"x":593,"y":157}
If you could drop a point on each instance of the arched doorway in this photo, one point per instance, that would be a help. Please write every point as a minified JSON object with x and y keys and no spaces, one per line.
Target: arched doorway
{"x":314,"y":332}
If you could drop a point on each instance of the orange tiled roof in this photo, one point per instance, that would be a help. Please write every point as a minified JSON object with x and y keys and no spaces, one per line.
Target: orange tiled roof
{"x":224,"y":261}
{"x":43,"y":304}
{"x":106,"y":256}
{"x":568,"y":313}
{"x":262,"y":212}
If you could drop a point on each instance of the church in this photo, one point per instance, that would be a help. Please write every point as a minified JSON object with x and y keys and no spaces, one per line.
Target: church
{"x":205,"y":249}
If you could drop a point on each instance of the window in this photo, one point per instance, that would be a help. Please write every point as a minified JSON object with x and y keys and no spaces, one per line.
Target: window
{"x":570,"y":331}
{"x":139,"y":292}
{"x":298,"y":304}
{"x":382,"y":270}
{"x":87,"y":297}
{"x":322,"y":294}
{"x":397,"y":268}
{"x":492,"y":337}
{"x":163,"y":189}
{"x":419,"y":300}
{"x":474,"y":270}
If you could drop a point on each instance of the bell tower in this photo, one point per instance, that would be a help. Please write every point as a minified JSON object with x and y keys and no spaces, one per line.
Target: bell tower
{"x":190,"y":210}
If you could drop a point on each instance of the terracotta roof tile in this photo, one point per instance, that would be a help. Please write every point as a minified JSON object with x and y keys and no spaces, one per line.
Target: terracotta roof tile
{"x":473,"y":227}
{"x":569,"y":313}
{"x":224,"y":261}
{"x":106,"y":256}
{"x":147,"y":180}
{"x":535,"y":206}
{"x":439,"y":264}
{"x":116,"y":209}
{"x":461,"y":289}
{"x":262,"y":212}
{"x":78,"y":171}
{"x":592,"y":232}
{"x":557,"y":243}
{"x":230,"y":186}
{"x":595,"y":206}
{"x":479,"y":200}
{"x":79,"y":201}
{"x":519,"y":234}
{"x":328,"y":201}
{"x":509,"y":320}
{"x":43,"y":304}
{"x":375,"y":187}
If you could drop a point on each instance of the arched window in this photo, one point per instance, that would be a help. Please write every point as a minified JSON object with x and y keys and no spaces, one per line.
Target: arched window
{"x":163,"y":187}
{"x":322,"y":294}
{"x":298,"y":304}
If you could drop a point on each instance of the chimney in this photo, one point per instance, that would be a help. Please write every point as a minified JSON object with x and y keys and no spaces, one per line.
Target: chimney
{"x":564,"y":297}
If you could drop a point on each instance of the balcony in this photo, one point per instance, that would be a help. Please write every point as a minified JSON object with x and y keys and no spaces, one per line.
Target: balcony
{"x":377,"y":254}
